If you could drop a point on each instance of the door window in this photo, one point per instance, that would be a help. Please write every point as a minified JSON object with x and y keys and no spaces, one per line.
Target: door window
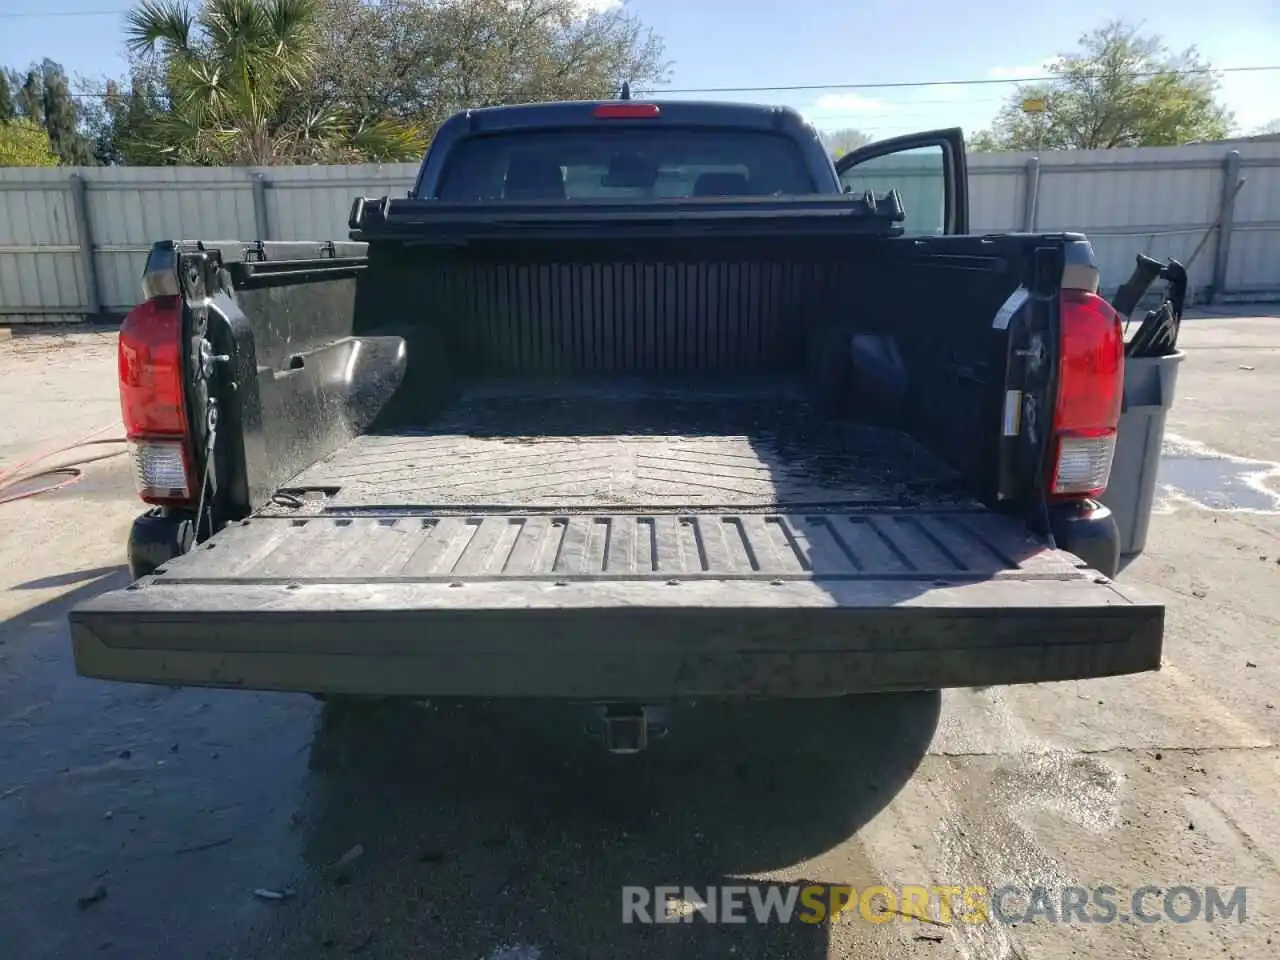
{"x":920,"y":177}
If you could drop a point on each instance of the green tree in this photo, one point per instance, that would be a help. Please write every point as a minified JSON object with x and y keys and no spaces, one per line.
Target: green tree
{"x":31,"y":96}
{"x":7,"y":109}
{"x":1268,"y":129}
{"x":61,"y":117}
{"x":237,"y":77}
{"x":422,"y":60}
{"x":119,"y":116}
{"x":1120,"y":89}
{"x":23,"y":143}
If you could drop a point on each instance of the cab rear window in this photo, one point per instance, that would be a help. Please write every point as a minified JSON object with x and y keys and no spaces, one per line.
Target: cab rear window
{"x":624,"y":164}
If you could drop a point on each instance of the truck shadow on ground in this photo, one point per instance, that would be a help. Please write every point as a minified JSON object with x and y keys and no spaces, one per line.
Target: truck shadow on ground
{"x":488,"y":826}
{"x":97,"y":580}
{"x":131,"y":789}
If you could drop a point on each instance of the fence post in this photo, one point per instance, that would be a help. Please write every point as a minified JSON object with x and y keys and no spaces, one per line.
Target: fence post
{"x":1031,"y":195}
{"x":1226,"y":221}
{"x":260,"y":221}
{"x":84,"y":237}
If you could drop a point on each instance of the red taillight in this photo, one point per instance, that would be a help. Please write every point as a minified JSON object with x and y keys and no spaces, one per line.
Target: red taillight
{"x":1090,"y":389}
{"x":627,"y":111}
{"x":153,"y":400}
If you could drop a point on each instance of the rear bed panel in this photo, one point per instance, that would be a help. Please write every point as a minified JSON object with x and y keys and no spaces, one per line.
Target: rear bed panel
{"x":619,"y":606}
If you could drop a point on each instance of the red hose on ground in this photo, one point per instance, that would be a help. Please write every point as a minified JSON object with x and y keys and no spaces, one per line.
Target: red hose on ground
{"x":31,"y":461}
{"x":18,"y":474}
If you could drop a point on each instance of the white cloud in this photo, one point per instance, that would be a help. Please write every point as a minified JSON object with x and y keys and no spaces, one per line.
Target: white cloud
{"x":596,"y":6}
{"x":830,"y":103}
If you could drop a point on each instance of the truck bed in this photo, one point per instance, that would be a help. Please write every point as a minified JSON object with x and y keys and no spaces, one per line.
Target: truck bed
{"x":590,"y":468}
{"x":632,"y":445}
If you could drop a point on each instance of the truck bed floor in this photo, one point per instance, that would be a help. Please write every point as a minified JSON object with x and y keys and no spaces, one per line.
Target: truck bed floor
{"x":632,"y":445}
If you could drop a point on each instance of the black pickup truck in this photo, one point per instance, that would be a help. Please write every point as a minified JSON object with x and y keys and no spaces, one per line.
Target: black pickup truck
{"x":627,"y":403}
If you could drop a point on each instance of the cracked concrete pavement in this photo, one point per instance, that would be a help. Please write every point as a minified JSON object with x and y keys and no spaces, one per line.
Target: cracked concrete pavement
{"x":138,"y":821}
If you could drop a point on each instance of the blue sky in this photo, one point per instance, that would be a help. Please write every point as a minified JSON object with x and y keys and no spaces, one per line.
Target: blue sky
{"x":748,"y":43}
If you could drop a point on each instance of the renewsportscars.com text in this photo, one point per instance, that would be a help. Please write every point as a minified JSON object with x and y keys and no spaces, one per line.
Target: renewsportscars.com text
{"x":1009,"y":904}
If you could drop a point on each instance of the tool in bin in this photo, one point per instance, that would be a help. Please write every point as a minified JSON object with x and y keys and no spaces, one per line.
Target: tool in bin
{"x":1157,"y":335}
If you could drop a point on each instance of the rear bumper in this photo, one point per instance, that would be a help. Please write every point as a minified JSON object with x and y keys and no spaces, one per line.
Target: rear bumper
{"x":617,"y":640}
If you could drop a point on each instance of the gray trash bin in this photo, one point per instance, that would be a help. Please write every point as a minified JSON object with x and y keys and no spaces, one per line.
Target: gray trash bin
{"x":1149,"y":384}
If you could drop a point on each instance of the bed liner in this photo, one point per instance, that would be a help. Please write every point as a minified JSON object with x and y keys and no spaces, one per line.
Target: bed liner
{"x":632,"y":445}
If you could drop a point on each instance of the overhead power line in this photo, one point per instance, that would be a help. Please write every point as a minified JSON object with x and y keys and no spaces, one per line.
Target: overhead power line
{"x":34,"y":14}
{"x":897,"y":85}
{"x":909,"y":84}
{"x":780,"y":88}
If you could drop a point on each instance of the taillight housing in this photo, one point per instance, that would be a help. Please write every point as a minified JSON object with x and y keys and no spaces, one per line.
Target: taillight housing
{"x":1086,"y":413}
{"x":153,"y":401}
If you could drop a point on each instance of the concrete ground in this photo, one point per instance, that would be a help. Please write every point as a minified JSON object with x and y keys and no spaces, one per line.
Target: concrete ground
{"x":139,"y":821}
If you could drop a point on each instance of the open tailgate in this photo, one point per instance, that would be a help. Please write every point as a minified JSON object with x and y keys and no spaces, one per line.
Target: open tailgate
{"x":620,"y":606}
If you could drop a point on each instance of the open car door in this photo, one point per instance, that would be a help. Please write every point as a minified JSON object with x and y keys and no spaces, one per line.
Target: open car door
{"x":927,"y":169}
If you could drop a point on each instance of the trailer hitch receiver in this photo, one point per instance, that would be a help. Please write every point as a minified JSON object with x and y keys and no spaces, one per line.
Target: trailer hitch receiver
{"x":628,"y":727}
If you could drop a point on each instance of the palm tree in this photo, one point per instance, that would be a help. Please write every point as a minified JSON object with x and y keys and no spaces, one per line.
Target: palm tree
{"x":236,"y":72}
